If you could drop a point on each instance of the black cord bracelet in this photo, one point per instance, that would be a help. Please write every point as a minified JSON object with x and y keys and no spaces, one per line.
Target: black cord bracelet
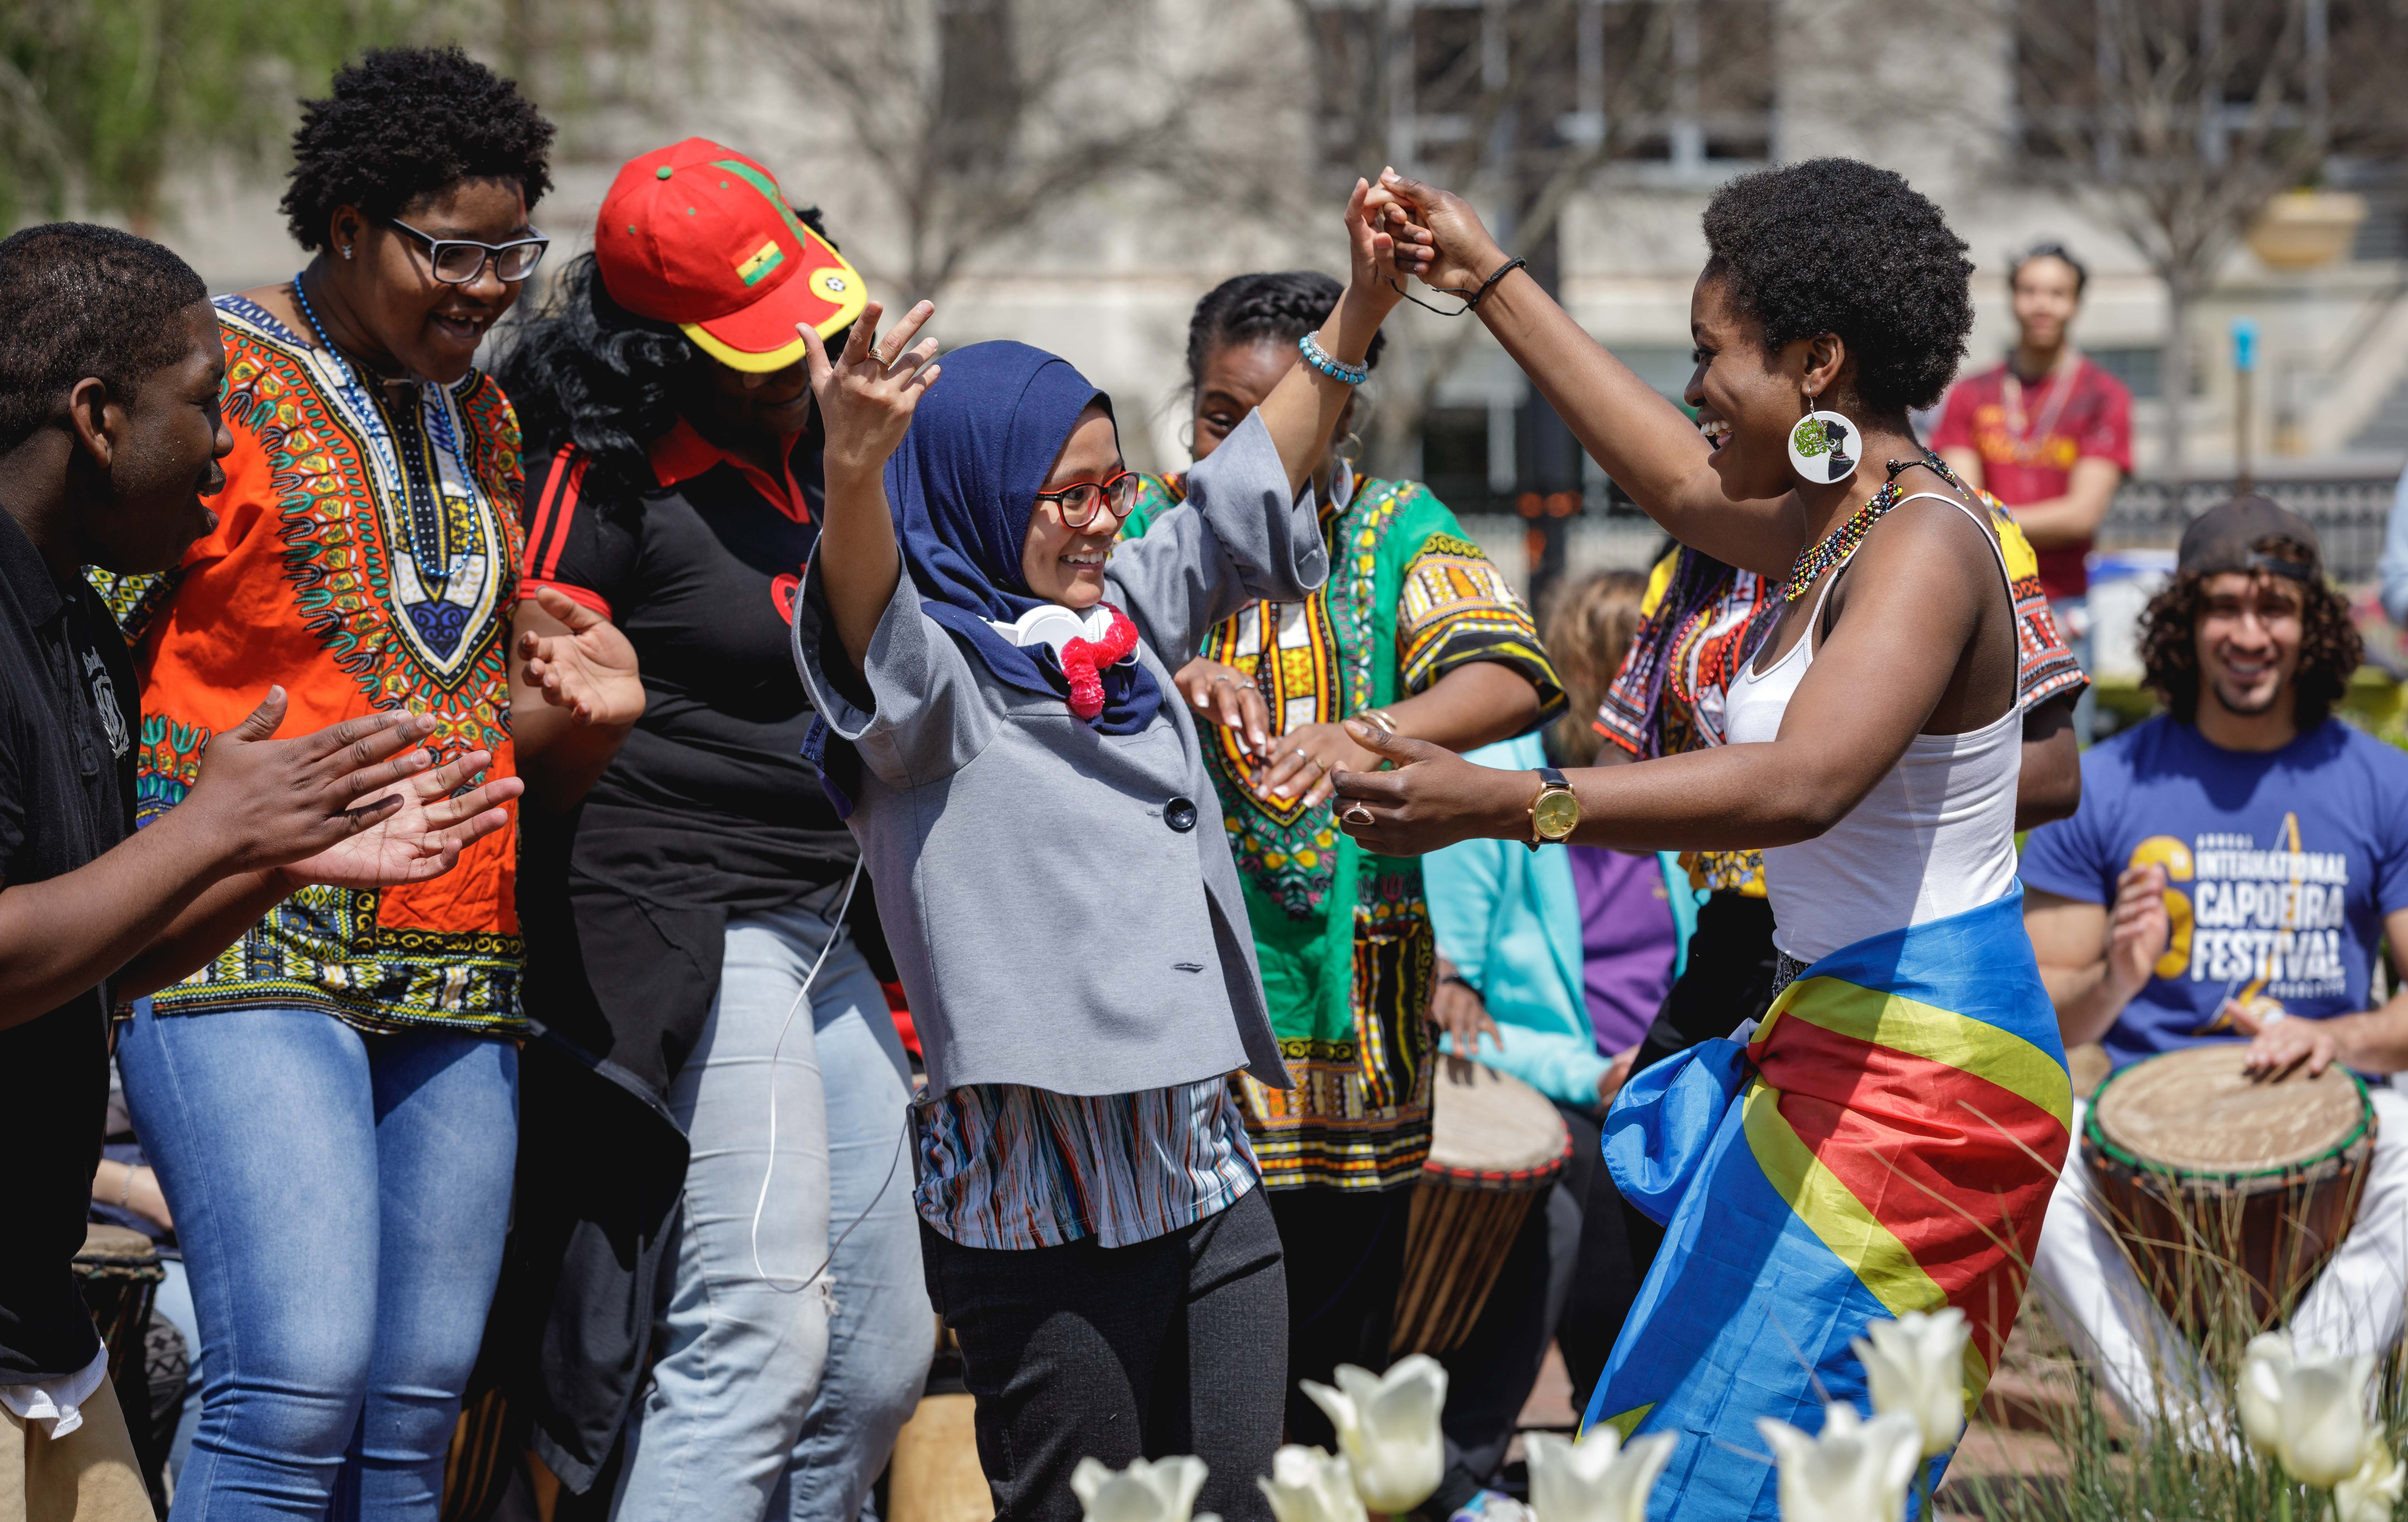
{"x":1490,"y":283}
{"x":1470,"y":301}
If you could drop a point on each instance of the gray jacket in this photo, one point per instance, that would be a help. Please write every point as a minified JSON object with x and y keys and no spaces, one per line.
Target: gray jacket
{"x":1062,"y":904}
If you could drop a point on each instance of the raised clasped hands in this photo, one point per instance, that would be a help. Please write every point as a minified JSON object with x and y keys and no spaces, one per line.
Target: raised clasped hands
{"x":1372,"y":289}
{"x":1435,"y":235}
{"x":867,"y":393}
{"x":591,"y":670}
{"x":359,"y":804}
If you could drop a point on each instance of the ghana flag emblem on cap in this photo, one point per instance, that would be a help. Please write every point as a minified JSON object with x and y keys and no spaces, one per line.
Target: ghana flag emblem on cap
{"x":698,"y":235}
{"x":766,"y":258}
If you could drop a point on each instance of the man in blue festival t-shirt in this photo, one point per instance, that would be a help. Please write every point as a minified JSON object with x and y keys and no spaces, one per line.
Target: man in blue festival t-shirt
{"x":2231,"y":874}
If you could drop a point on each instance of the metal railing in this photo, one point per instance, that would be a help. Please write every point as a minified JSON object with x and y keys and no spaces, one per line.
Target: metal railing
{"x":2350,"y":514}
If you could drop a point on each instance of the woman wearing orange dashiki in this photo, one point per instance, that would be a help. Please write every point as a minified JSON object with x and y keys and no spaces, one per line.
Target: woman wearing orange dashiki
{"x":331,"y":1103}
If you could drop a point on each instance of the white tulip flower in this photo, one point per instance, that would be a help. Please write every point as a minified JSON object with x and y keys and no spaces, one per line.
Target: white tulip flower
{"x":1854,"y":1470}
{"x":1600,"y":1478}
{"x":1149,"y":1490}
{"x":2261,"y":1422}
{"x":2319,"y":1403}
{"x":1307,"y":1485}
{"x":1387,"y":1428}
{"x":2371,"y":1493}
{"x":1916,"y":1365}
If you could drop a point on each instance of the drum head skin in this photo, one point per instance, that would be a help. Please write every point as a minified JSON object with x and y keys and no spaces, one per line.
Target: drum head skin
{"x":1489,"y":1129}
{"x":104,"y":1243}
{"x":2197,"y":1110}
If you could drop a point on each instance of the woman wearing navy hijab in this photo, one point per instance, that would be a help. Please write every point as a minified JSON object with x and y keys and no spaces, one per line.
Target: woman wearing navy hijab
{"x":1056,"y":883}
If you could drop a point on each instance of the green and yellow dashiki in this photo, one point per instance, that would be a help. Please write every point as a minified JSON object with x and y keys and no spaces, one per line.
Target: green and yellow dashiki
{"x":1345,"y":936}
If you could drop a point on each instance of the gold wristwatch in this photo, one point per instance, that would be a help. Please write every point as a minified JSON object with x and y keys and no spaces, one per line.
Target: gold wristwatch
{"x":1555,"y":813}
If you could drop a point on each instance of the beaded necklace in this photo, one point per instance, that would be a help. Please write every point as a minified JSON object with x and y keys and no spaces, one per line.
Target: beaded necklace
{"x":418,"y":426}
{"x":1841,"y":543}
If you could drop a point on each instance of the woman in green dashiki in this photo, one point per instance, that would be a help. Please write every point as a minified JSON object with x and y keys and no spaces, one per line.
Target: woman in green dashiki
{"x":1416,"y":627}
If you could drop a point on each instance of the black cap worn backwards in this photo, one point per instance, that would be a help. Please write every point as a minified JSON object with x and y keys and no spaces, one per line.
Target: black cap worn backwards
{"x":2225,"y":538}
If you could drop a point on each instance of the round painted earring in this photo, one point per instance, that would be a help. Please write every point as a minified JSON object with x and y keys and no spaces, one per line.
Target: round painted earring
{"x":1825,"y":448}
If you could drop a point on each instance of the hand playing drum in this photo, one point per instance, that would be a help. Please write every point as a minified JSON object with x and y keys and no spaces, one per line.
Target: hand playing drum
{"x":2277,"y":1043}
{"x":2218,"y":1181}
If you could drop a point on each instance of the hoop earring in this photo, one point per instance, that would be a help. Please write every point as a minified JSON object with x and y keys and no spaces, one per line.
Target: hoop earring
{"x":1348,"y":450}
{"x":1825,"y":448}
{"x":1187,"y":436}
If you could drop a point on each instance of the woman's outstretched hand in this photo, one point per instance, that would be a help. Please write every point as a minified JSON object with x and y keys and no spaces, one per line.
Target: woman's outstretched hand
{"x":591,"y":670}
{"x":1373,"y":289}
{"x":1227,"y":697}
{"x":438,"y":816}
{"x":1436,"y":234}
{"x":868,"y":393}
{"x":1434,"y":797}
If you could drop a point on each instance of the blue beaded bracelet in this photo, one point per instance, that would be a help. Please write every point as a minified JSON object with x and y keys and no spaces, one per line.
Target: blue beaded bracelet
{"x":1318,"y":357}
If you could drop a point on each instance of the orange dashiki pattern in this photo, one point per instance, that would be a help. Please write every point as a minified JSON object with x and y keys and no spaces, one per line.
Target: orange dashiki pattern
{"x":364,"y":558}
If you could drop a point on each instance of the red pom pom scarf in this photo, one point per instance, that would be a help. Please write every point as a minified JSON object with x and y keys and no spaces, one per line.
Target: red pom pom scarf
{"x":1083,"y":661}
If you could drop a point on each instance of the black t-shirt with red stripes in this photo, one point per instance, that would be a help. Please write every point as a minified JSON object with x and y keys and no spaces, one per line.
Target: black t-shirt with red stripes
{"x":709,"y":809}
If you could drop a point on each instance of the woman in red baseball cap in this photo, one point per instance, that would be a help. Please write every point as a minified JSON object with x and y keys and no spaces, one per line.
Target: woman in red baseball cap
{"x":686,"y":885}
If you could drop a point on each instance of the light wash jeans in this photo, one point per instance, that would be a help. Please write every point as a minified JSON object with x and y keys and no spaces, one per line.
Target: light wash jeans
{"x":172,"y":1304}
{"x":772,"y":1399}
{"x":341,"y":1199}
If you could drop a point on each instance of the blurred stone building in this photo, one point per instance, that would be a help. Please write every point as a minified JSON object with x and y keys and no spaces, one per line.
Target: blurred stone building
{"x":1075,"y":173}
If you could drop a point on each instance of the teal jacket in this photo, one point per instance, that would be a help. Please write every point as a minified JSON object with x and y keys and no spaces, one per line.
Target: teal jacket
{"x":1508,"y":918}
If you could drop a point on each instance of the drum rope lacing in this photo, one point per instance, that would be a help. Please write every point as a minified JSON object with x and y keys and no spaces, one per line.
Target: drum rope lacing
{"x":770,"y":1170}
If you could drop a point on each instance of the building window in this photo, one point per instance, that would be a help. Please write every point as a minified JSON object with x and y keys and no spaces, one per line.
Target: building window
{"x":1682,"y":84}
{"x":1455,"y":457}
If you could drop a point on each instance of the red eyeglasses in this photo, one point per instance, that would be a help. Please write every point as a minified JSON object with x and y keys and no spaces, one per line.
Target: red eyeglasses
{"x":1077,"y":504}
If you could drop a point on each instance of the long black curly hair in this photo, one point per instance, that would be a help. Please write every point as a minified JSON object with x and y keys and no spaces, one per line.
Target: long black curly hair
{"x":400,"y":122}
{"x":586,"y":371}
{"x":2329,"y":647}
{"x":1837,"y":246}
{"x":1249,"y":308}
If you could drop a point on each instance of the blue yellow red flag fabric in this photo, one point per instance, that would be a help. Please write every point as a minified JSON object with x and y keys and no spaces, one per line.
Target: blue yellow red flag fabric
{"x":1885,"y":1141}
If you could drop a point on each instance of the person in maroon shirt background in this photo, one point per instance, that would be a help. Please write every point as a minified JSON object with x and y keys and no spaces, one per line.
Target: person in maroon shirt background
{"x":2049,"y":434}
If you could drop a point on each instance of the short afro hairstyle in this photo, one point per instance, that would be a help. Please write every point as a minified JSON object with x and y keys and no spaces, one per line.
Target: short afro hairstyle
{"x":2330,"y":647}
{"x":86,"y":301}
{"x":402,"y":122}
{"x":1837,"y":246}
{"x":1280,"y":307}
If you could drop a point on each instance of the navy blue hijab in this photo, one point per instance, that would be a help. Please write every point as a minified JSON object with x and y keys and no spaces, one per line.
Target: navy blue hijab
{"x":964,"y":485}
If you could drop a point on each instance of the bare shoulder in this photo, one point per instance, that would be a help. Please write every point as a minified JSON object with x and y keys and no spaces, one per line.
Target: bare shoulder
{"x":1927,"y":547}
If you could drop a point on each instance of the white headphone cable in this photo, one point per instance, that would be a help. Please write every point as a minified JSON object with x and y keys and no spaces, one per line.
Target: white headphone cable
{"x":836,"y":932}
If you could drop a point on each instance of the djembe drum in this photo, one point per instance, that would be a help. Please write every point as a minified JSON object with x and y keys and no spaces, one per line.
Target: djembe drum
{"x":120,"y":1273}
{"x":2228,"y":1193}
{"x":1496,"y":1144}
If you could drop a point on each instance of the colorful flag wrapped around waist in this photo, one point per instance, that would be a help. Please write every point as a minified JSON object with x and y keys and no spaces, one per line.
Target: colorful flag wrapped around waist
{"x":1885,"y":1143}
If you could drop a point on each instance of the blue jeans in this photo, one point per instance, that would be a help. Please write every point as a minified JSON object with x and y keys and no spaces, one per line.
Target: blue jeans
{"x":775,"y":1398}
{"x":342,"y":1199}
{"x":173,"y":1305}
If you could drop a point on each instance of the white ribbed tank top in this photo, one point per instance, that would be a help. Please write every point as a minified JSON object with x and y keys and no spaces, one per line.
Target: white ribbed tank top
{"x":1935,"y":837}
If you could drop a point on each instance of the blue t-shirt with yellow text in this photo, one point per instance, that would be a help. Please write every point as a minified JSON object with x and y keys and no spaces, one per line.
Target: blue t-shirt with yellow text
{"x":2280,"y":867}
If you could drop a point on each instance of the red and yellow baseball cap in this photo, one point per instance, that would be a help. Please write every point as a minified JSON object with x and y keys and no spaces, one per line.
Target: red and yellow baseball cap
{"x":698,"y":235}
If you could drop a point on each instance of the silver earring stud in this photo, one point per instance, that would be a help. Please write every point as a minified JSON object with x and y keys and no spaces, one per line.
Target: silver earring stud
{"x":347,"y":252}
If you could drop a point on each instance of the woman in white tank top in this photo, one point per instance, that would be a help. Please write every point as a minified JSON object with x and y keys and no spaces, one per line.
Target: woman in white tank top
{"x":1886,"y":1141}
